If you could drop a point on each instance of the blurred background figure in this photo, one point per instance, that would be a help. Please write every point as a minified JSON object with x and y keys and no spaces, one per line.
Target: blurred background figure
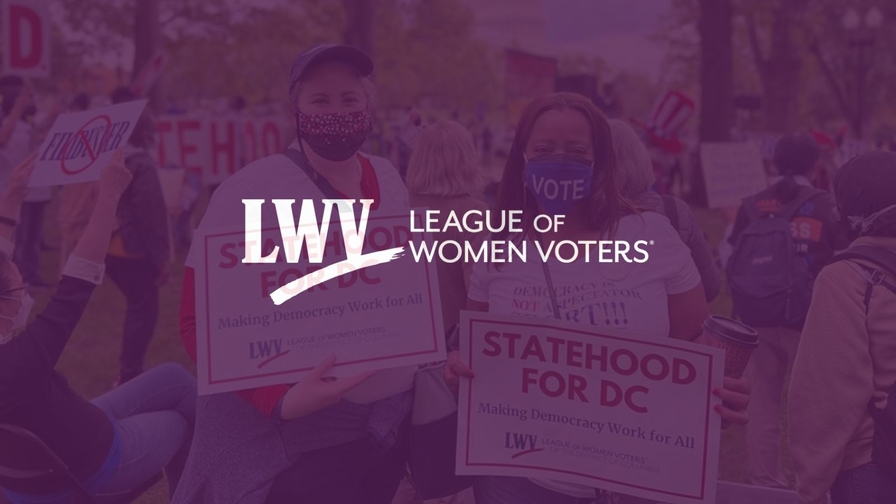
{"x":810,"y":216}
{"x":443,"y":174}
{"x":408,"y":135}
{"x":17,"y":140}
{"x":487,"y":142}
{"x":17,"y":105}
{"x":636,"y":177}
{"x":139,"y":252}
{"x":237,"y":108}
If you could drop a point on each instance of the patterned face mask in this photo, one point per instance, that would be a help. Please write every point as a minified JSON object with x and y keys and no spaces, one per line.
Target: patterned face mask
{"x":336,"y":136}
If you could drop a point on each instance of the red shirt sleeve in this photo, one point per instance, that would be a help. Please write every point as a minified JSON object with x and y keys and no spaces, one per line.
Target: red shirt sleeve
{"x":264,"y":399}
{"x":370,"y":186}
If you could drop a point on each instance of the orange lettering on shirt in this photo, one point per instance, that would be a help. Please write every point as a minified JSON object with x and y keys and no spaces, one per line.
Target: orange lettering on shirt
{"x":805,"y":228}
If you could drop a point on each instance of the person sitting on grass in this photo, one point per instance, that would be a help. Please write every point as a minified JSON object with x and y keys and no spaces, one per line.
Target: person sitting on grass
{"x":120,"y":440}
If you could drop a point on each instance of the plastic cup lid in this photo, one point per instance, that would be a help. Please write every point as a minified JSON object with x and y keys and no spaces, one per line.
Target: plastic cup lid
{"x":732,"y":329}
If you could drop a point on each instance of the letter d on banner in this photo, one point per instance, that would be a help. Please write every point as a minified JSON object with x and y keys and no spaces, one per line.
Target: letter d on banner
{"x":26,"y":38}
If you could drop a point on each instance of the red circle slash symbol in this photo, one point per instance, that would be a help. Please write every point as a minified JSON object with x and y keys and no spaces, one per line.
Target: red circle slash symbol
{"x":90,"y":153}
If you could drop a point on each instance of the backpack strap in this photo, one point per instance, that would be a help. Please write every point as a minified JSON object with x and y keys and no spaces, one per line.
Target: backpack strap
{"x":322,"y":183}
{"x":751,"y":208}
{"x":885,"y":259}
{"x":879,"y":256}
{"x":801,"y":199}
{"x":671,"y":209}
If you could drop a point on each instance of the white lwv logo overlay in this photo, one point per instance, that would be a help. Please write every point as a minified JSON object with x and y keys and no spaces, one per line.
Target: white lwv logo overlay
{"x":313,"y":235}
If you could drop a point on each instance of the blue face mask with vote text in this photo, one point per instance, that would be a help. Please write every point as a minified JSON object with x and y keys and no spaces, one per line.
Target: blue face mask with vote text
{"x":559,"y":181}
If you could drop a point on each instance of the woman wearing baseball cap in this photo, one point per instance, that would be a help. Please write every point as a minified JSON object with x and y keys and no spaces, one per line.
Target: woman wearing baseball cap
{"x":302,"y":442}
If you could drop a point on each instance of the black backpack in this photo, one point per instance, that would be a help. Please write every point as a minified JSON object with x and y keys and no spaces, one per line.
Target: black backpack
{"x":770,"y":282}
{"x":884,"y":451}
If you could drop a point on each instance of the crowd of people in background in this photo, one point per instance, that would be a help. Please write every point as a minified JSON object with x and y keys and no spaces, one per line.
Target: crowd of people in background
{"x":825,"y":317}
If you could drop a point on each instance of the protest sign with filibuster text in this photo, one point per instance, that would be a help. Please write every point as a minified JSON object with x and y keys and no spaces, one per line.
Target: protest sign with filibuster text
{"x":80,"y":144}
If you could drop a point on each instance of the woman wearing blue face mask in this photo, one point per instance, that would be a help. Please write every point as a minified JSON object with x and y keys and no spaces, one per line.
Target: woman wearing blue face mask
{"x":562,"y":163}
{"x":120,"y":440}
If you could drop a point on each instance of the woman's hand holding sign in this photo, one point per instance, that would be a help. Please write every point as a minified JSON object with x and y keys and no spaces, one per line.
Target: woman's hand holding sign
{"x":454,"y":369}
{"x":315,"y":392}
{"x":114,"y":178}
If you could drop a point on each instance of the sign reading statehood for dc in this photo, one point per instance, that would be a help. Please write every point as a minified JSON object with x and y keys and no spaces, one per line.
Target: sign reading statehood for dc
{"x":554,"y":400}
{"x":80,"y":144}
{"x":270,"y":323}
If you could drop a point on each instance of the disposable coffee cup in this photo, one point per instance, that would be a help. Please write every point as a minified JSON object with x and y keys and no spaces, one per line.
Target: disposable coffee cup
{"x":736,"y":339}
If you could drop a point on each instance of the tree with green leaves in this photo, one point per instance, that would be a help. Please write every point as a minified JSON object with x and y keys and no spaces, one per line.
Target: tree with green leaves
{"x":799,"y":57}
{"x":423,"y":49}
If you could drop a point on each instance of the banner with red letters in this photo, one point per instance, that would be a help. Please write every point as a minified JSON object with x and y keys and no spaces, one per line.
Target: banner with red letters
{"x":217,"y":146}
{"x":150,"y":73}
{"x":26,"y":38}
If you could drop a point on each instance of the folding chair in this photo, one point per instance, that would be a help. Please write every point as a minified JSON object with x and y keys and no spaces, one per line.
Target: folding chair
{"x":25,"y":456}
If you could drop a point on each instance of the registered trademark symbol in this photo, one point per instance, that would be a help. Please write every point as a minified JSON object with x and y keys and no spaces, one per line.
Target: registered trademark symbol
{"x":651,"y":242}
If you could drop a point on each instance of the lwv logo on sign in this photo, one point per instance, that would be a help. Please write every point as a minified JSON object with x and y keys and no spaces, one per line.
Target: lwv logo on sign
{"x":312,"y":234}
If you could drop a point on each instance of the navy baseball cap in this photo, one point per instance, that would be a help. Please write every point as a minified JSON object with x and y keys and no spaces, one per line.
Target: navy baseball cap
{"x":321,"y":52}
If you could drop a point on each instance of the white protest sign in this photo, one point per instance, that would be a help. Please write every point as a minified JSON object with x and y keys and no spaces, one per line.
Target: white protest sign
{"x":150,"y":73}
{"x":80,"y":144}
{"x":732,"y":171}
{"x":374,"y":318}
{"x":26,"y":38}
{"x":560,"y":401}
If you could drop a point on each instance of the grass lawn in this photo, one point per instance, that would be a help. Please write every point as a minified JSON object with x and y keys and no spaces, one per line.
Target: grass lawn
{"x":91,"y":358}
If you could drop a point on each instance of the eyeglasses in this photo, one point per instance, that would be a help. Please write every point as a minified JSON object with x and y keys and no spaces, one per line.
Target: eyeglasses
{"x":14,"y":289}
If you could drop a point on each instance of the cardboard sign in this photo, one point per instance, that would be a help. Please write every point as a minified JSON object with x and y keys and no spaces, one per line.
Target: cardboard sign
{"x":568,"y":402}
{"x":80,"y":144}
{"x":26,"y":38}
{"x":732,"y":171}
{"x":217,"y":147}
{"x":372,"y":319}
{"x":150,"y":73}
